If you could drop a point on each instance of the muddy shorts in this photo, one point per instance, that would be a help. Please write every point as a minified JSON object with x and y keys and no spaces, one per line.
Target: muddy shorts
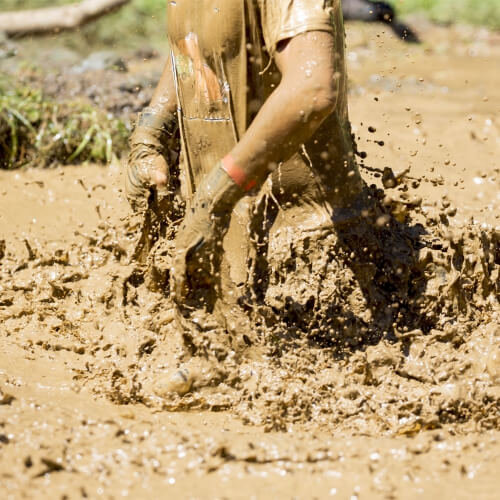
{"x":287,"y":18}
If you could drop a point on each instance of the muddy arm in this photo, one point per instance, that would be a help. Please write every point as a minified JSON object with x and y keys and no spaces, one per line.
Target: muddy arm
{"x":306,"y":95}
{"x":155,"y":136}
{"x":164,"y":97}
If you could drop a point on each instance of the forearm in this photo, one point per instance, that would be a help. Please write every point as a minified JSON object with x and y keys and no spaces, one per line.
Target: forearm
{"x":157,"y":124}
{"x":164,"y":98}
{"x":295,"y":110}
{"x":155,"y":135}
{"x":281,"y":126}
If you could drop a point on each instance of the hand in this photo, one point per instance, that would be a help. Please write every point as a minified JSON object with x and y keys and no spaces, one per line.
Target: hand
{"x":196,"y":251}
{"x":147,"y":168}
{"x":198,"y":245}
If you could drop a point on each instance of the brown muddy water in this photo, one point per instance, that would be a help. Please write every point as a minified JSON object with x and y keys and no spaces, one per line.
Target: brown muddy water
{"x":410,"y":414}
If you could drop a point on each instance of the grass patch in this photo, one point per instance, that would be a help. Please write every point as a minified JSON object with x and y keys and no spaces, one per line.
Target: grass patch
{"x":479,"y":12}
{"x":36,"y":131}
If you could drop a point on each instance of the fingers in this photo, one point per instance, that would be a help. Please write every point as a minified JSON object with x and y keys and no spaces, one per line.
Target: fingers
{"x":136,"y":193}
{"x":159,"y":171}
{"x":145,"y":169}
{"x":150,"y":168}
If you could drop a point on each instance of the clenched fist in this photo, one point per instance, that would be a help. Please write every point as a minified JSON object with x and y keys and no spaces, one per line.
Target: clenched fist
{"x":198,"y":243}
{"x":147,"y":167}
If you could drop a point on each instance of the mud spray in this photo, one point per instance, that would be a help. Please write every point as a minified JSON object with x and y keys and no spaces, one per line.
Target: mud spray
{"x":385,"y":327}
{"x":393,"y":315}
{"x":386,"y":324}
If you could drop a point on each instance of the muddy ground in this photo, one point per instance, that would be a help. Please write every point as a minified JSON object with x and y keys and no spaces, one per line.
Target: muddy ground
{"x":414,"y":416}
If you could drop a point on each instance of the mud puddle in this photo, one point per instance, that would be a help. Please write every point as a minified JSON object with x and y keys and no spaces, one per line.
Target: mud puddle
{"x":407,"y":416}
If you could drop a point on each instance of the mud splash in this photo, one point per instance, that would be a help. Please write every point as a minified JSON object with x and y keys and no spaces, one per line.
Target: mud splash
{"x":377,"y":318}
{"x":391,"y":320}
{"x":80,"y":331}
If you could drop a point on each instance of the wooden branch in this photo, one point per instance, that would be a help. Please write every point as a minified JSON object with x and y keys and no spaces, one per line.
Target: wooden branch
{"x":50,"y":19}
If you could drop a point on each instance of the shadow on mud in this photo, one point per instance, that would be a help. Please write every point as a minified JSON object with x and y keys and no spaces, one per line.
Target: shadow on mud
{"x":378,"y":278}
{"x":345,"y":287}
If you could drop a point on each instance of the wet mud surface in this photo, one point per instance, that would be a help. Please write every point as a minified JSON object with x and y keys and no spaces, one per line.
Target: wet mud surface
{"x":384,"y":385}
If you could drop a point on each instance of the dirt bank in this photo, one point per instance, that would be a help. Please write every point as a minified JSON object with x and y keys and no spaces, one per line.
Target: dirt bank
{"x":415,"y":413}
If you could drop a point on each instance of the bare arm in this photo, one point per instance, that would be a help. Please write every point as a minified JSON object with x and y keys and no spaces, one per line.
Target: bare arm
{"x":164,"y":97}
{"x":147,"y":162}
{"x":306,"y":95}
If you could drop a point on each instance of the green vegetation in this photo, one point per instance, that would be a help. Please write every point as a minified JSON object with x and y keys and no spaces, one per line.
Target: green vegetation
{"x":30,"y":4}
{"x":37,"y":130}
{"x":480,"y":12}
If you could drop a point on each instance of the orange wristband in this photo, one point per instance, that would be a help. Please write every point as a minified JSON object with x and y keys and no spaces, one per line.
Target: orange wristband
{"x":237,"y":174}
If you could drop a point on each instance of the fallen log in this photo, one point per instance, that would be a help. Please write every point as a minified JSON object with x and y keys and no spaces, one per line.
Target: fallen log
{"x":54,"y":19}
